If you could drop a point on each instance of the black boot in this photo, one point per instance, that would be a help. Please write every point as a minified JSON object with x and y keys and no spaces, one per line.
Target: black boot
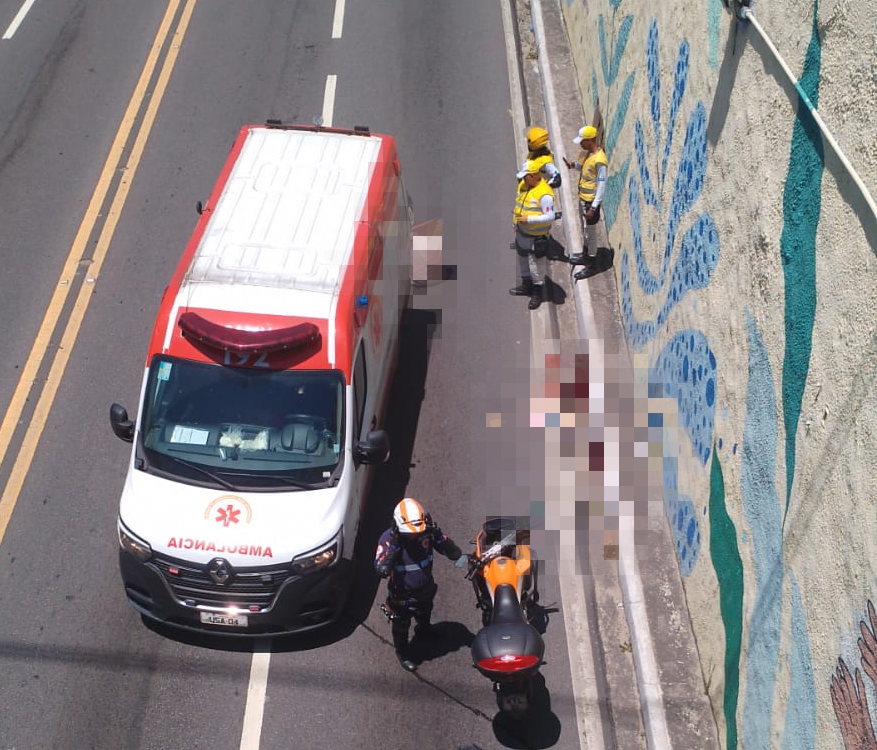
{"x":404,"y":657}
{"x":524,"y":289}
{"x":403,"y":650}
{"x":424,"y":628}
{"x":536,"y":296}
{"x":580,"y":259}
{"x":601,"y":262}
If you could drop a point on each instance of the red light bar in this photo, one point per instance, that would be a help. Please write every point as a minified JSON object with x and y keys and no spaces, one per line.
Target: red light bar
{"x":215,"y":336}
{"x":508,"y":663}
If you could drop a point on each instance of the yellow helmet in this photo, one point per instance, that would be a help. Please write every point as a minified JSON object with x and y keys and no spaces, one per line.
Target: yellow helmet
{"x":537,"y":138}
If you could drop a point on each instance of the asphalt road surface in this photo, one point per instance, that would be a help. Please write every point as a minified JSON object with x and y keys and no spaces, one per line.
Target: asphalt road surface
{"x":91,"y":233}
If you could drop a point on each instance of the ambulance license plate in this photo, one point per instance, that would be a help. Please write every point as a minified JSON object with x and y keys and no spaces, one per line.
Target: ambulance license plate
{"x":217,"y":618}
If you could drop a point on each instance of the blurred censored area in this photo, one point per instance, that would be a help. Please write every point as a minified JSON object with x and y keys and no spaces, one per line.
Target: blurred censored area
{"x":427,"y":249}
{"x":604,"y":451}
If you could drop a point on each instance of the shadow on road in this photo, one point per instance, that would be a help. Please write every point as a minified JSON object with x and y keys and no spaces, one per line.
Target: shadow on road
{"x":541,"y":728}
{"x":446,"y":638}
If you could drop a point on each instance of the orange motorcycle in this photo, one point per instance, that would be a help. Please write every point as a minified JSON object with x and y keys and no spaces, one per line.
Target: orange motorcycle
{"x":507,"y":650}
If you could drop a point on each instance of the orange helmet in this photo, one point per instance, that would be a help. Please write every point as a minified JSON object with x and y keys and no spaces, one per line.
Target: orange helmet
{"x":409,"y":516}
{"x":537,"y":138}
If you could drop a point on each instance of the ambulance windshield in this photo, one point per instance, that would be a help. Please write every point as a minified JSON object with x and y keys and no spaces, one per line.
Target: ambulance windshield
{"x":242,"y":427}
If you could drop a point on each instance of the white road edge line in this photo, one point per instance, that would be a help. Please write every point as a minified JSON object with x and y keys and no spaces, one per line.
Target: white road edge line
{"x":338,"y":20}
{"x":651,"y":697}
{"x":251,"y":733}
{"x":19,"y":17}
{"x":329,"y":100}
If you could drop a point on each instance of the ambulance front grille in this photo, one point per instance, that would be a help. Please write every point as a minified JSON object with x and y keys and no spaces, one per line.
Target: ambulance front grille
{"x":194,"y":586}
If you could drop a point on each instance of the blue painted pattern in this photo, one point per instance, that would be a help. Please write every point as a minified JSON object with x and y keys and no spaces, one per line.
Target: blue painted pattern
{"x":714,"y":13}
{"x":761,"y":508}
{"x":800,"y":728}
{"x":685,"y":370}
{"x":697,"y":259}
{"x":685,"y":528}
{"x":611,"y":53}
{"x":654,"y":76}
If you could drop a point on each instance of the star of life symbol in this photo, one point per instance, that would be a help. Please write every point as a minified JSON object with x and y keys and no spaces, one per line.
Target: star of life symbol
{"x":228,"y":510}
{"x":227,"y":515}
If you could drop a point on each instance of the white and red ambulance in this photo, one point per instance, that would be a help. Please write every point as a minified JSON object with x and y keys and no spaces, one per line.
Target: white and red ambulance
{"x":265,"y":385}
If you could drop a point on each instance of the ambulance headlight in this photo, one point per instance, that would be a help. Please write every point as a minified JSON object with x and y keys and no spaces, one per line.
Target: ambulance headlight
{"x":133,"y":545}
{"x":320,"y":558}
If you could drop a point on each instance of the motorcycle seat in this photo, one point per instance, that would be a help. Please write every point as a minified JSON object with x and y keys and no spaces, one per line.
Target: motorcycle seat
{"x":506,"y":606}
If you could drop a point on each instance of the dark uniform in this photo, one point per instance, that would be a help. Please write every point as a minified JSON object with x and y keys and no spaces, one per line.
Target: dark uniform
{"x":406,"y":559}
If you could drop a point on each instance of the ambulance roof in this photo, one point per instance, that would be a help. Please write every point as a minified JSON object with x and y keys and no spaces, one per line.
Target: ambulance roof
{"x":285,"y":220}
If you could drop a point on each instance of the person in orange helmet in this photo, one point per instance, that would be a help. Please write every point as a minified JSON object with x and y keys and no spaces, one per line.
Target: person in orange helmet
{"x":404,"y":556}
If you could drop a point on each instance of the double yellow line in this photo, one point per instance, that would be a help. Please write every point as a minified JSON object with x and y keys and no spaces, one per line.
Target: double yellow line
{"x":169,"y":38}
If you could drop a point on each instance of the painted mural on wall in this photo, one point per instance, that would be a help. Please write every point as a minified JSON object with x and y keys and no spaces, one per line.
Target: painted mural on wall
{"x":685,"y":369}
{"x":848,"y":694}
{"x":613,"y":35}
{"x":737,"y":477}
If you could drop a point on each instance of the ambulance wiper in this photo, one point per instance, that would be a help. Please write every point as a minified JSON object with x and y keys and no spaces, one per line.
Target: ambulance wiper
{"x":298,"y":483}
{"x":202,"y":470}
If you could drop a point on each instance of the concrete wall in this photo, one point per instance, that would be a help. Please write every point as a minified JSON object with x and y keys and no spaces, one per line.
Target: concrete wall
{"x":745,"y":264}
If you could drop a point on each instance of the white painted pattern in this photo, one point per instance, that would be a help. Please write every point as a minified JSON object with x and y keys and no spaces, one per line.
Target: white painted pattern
{"x":329,"y":100}
{"x":256,"y":690}
{"x":338,"y":20}
{"x":19,"y":17}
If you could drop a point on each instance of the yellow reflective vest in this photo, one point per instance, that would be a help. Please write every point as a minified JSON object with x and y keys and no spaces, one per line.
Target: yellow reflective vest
{"x":541,"y":160}
{"x":529,"y":204}
{"x":588,"y":177}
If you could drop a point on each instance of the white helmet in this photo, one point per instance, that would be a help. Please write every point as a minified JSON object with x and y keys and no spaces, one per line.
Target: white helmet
{"x":409,"y":516}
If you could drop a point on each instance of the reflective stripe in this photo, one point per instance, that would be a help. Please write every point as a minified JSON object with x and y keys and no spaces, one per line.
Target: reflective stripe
{"x":588,"y":178}
{"x":415,"y":566}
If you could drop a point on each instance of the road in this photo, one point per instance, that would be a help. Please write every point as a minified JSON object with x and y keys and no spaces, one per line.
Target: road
{"x":80,"y":668}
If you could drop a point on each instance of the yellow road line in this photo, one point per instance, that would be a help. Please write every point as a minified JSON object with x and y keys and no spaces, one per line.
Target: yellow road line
{"x":53,"y":312}
{"x":53,"y":381}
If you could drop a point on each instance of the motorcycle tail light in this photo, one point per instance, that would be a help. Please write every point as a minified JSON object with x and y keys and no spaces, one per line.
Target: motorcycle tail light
{"x":508,"y":663}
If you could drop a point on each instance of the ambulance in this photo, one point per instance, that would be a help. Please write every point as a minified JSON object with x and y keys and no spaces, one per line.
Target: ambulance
{"x":266,"y":381}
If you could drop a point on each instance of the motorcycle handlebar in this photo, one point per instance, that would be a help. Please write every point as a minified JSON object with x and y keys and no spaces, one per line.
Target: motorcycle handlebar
{"x":489,"y":554}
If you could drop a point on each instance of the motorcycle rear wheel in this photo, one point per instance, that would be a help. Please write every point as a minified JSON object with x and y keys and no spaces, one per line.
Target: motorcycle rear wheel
{"x":514,"y":701}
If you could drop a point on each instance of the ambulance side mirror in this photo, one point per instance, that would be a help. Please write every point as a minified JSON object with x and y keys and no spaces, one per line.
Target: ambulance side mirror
{"x":122,"y":426}
{"x":375,"y":449}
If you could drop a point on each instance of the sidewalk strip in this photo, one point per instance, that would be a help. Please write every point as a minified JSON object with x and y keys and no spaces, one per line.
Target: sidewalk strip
{"x":651,"y":699}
